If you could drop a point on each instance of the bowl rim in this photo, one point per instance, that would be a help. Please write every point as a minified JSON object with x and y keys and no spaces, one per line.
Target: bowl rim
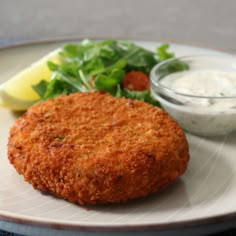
{"x":162,"y":88}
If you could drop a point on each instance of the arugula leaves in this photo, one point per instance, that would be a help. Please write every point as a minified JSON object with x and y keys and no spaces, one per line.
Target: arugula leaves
{"x":101,"y":65}
{"x":163,"y":53}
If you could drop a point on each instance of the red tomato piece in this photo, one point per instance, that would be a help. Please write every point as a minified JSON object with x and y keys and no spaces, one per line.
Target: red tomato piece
{"x":136,"y":81}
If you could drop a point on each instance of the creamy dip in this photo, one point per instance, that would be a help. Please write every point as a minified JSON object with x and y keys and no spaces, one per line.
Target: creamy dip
{"x":215,"y":114}
{"x":214,"y":84}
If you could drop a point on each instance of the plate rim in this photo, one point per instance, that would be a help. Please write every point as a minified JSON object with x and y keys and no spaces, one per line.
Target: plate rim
{"x":186,"y":224}
{"x":37,"y":221}
{"x":129,"y":37}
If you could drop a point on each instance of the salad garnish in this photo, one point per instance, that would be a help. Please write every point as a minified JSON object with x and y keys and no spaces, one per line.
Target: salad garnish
{"x":120,"y":68}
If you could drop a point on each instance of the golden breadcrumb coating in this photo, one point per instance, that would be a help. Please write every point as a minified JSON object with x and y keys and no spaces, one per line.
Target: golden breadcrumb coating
{"x":92,"y":148}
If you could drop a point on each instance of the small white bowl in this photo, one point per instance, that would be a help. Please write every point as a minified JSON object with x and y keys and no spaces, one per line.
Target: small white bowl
{"x":203,"y":115}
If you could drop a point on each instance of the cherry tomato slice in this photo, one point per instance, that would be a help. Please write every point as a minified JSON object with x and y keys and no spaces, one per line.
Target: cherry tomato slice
{"x":136,"y":81}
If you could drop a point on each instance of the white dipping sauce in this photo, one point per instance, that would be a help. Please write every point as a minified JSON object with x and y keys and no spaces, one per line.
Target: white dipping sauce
{"x":204,"y":116}
{"x":202,"y":83}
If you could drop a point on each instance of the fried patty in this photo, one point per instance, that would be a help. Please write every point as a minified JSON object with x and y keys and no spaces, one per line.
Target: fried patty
{"x":92,"y":148}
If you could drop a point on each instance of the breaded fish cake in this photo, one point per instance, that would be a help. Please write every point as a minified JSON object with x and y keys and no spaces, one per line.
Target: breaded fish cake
{"x":92,"y":148}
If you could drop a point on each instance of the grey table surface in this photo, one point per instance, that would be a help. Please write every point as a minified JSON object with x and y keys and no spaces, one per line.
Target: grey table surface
{"x":204,"y":22}
{"x":207,"y":23}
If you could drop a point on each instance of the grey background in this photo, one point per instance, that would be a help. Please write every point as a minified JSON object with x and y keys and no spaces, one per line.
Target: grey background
{"x":203,"y":22}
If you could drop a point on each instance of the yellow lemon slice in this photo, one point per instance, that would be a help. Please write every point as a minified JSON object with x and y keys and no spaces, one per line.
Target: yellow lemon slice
{"x":17,"y":93}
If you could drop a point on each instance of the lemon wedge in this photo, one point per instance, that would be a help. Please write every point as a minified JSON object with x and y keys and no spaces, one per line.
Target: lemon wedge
{"x":17,"y":93}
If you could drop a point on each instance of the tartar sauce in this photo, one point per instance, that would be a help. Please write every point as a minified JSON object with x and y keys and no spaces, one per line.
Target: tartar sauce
{"x":203,"y":83}
{"x":215,"y":114}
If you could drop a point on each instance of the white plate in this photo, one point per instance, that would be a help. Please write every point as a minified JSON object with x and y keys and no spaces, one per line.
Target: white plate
{"x":205,"y":194}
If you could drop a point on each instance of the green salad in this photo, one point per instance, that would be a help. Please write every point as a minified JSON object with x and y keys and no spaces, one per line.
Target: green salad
{"x":120,"y":68}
